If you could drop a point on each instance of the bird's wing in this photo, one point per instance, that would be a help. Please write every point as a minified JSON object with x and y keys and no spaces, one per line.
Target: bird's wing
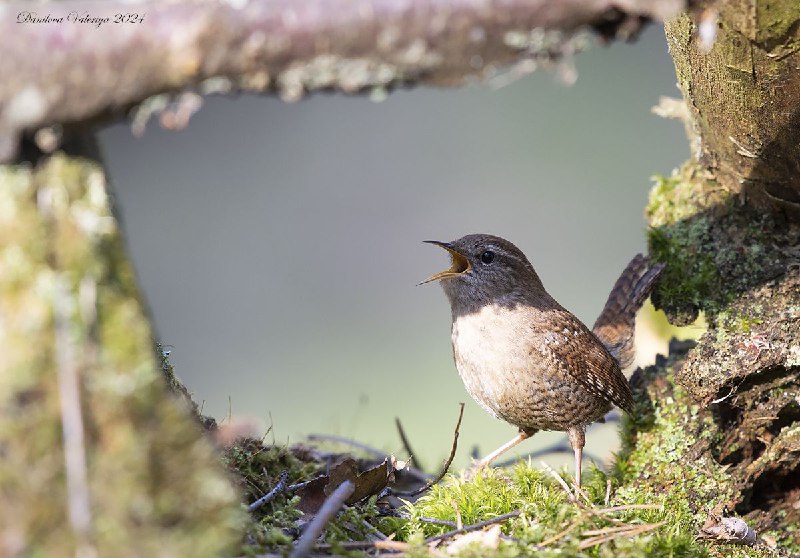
{"x":579,"y":354}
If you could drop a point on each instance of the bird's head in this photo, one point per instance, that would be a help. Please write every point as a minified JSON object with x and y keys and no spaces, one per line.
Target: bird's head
{"x":485,"y":269}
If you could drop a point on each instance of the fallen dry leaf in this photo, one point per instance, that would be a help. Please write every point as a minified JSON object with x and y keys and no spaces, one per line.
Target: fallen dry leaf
{"x":367,"y":483}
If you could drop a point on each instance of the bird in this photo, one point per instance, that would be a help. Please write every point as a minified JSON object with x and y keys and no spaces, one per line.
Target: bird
{"x":523,"y":357}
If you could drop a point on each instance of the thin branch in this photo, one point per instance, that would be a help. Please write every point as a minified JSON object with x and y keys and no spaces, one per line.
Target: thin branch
{"x":561,"y":481}
{"x":299,"y":485}
{"x":431,"y":520}
{"x":613,"y":532}
{"x":473,"y":527}
{"x":459,"y":522}
{"x":407,"y":445}
{"x":288,"y":47}
{"x":579,"y":492}
{"x":373,"y":452}
{"x":445,"y":467}
{"x":631,"y":507}
{"x":269,"y":496}
{"x":562,"y":534}
{"x":78,"y":501}
{"x":327,"y":512}
{"x":598,"y":514}
{"x":391,"y":545}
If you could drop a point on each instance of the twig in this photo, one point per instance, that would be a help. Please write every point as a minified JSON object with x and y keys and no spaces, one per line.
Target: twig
{"x":473,"y":527}
{"x":631,"y":507}
{"x":610,"y":530}
{"x":407,"y":444}
{"x":431,"y":520}
{"x":387,"y":544}
{"x":562,"y":534}
{"x":72,"y":429}
{"x":611,"y":534}
{"x":597,"y":514}
{"x":329,"y":509}
{"x":347,"y":442}
{"x":446,"y":466}
{"x":374,"y":532}
{"x":561,"y":481}
{"x":269,"y":496}
{"x":459,"y":522}
{"x":579,"y":491}
{"x":608,"y":493}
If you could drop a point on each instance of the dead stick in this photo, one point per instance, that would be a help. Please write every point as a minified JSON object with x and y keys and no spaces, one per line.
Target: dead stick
{"x":327,"y":512}
{"x":407,"y":445}
{"x":561,"y":481}
{"x":67,"y":365}
{"x":431,"y":520}
{"x":631,"y":507}
{"x":597,"y":514}
{"x":473,"y":527}
{"x":447,"y":463}
{"x":635,"y":530}
{"x":560,"y":535}
{"x":347,"y":442}
{"x":390,"y":545}
{"x":269,"y":496}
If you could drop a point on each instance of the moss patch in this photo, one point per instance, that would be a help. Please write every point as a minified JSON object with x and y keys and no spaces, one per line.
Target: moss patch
{"x":97,"y":457}
{"x":714,"y":248}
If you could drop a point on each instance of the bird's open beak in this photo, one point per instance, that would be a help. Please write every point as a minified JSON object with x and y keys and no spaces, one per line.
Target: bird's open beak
{"x":459,"y":265}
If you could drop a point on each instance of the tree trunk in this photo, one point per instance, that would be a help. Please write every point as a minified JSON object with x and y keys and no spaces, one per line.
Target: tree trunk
{"x":97,"y":458}
{"x":726,"y":225}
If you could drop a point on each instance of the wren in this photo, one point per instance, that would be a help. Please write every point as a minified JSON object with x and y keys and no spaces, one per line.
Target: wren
{"x":522,"y":356}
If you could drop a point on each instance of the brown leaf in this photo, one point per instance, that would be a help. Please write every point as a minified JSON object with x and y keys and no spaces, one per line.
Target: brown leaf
{"x":368,"y":483}
{"x":312,"y":496}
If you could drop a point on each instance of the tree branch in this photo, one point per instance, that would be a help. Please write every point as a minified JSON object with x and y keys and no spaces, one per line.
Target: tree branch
{"x":69,"y":62}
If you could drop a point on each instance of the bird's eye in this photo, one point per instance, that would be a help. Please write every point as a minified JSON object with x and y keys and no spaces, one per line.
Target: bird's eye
{"x":487,"y":257}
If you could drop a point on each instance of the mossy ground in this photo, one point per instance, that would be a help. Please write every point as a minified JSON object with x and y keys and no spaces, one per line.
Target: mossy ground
{"x":659,"y":465}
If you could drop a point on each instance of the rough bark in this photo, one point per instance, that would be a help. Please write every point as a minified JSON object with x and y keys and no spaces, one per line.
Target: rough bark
{"x":743,"y":96}
{"x":98,"y":459}
{"x":726,"y":225}
{"x":68,"y":71}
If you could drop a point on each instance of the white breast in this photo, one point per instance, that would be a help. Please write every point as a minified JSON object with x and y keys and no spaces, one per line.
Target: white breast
{"x":488,"y":343}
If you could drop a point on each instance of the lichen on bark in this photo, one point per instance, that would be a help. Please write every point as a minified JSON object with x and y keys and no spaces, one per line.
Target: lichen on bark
{"x":727,"y":224}
{"x":97,"y":456}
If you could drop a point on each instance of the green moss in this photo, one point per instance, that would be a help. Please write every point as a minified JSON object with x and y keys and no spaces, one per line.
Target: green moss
{"x":259,"y":467}
{"x":775,"y":20}
{"x":736,"y":322}
{"x":713,"y":247}
{"x":75,"y":337}
{"x":547,"y":512}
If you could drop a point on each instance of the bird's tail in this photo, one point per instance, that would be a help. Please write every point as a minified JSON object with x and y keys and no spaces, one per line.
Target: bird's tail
{"x":615,"y":326}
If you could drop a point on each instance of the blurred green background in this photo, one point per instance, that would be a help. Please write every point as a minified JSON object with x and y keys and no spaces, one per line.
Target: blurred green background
{"x":278,"y":245}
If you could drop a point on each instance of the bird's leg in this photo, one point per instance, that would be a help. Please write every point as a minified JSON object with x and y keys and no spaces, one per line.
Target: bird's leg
{"x":523,"y":435}
{"x":577,"y":439}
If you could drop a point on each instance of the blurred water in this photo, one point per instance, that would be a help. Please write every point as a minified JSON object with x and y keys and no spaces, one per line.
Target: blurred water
{"x":279,"y":245}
